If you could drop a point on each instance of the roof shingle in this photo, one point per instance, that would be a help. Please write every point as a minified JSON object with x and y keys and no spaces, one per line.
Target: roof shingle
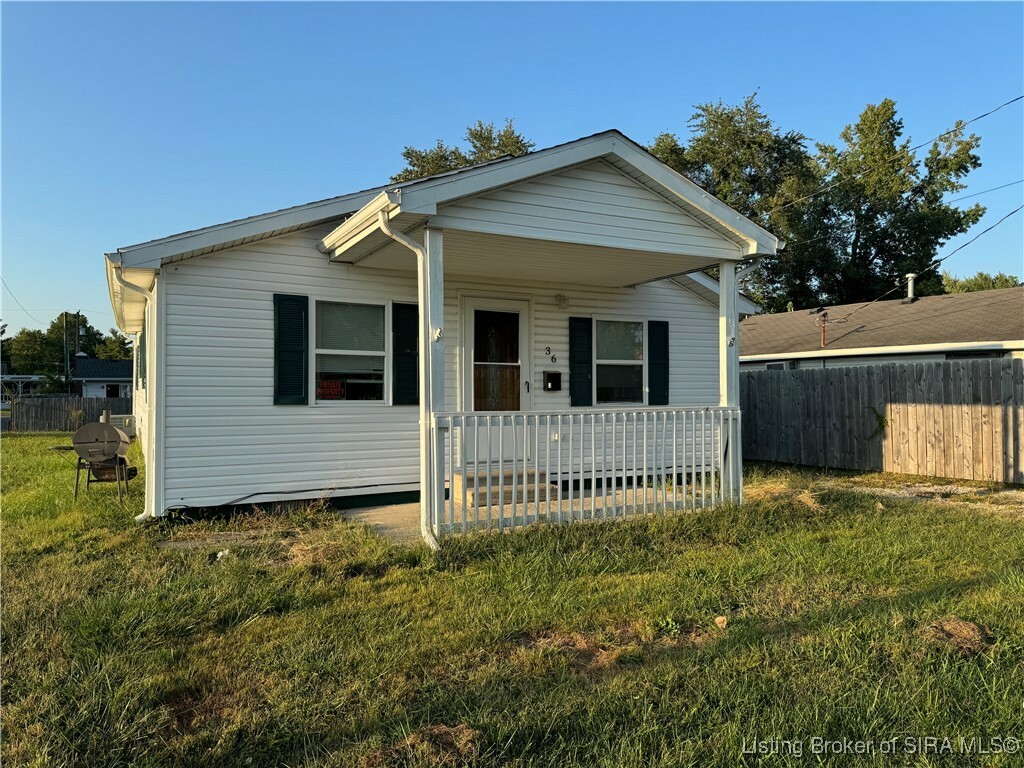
{"x":959,"y":317}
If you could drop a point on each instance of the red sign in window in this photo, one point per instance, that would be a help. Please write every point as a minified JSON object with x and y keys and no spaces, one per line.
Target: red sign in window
{"x":330,"y":390}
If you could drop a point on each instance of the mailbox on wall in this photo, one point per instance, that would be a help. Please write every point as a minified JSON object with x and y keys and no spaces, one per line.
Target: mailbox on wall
{"x":552,"y":381}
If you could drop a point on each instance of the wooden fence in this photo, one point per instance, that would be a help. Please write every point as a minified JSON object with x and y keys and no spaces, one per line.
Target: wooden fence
{"x":60,"y":413}
{"x":958,"y":419}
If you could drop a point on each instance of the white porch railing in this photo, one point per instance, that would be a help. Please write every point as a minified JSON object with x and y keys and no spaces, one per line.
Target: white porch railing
{"x":506,"y":469}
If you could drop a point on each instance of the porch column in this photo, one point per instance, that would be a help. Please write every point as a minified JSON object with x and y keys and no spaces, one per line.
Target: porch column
{"x":729,"y":378}
{"x":431,"y":348}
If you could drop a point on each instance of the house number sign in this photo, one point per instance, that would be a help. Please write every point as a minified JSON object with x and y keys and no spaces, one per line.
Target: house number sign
{"x":547,"y":351}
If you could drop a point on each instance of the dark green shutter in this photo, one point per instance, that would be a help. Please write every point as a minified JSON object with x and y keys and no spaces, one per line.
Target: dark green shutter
{"x":657,"y":362}
{"x":581,"y":361}
{"x":291,"y":349}
{"x":405,"y":358}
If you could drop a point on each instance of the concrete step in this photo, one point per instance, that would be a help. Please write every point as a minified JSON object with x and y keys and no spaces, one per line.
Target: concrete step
{"x":476,"y":486}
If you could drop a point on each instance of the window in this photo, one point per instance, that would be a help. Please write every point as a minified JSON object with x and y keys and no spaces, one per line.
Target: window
{"x":350,"y":351}
{"x":619,"y":361}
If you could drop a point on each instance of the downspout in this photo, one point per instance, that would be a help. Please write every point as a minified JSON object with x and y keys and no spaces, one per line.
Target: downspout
{"x":148,"y":296}
{"x":130,"y":286}
{"x":426,"y":529}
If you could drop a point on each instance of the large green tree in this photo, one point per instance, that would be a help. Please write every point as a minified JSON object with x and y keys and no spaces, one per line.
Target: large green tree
{"x":887,"y":205}
{"x":486,"y":142}
{"x":982,"y":281}
{"x":856,"y":217}
{"x":741,"y":157}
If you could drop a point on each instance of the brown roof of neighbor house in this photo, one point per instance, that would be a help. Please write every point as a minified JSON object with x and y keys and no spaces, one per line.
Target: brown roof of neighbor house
{"x":959,"y":317}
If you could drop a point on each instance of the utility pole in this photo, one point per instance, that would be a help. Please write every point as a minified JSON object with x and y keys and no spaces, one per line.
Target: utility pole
{"x":67,"y":374}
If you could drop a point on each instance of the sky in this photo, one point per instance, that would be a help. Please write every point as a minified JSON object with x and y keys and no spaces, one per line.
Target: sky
{"x":124,"y":122}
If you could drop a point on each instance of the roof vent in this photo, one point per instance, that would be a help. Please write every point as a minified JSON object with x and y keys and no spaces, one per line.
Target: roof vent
{"x":816,"y":311}
{"x":911,"y":298}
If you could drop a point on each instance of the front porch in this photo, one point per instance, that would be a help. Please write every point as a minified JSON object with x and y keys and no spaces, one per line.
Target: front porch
{"x":566,"y":466}
{"x":502,"y":443}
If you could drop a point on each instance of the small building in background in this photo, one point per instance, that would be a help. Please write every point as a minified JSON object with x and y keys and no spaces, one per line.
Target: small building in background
{"x":926,"y":329}
{"x":101,"y":378}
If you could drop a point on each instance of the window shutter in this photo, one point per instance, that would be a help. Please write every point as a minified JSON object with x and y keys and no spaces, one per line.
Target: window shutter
{"x":405,"y":358}
{"x":657,"y":362}
{"x":581,"y":361}
{"x":291,"y":349}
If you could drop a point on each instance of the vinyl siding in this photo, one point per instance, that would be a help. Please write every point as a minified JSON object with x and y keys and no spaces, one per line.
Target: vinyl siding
{"x":225,"y":439}
{"x":593,"y":204}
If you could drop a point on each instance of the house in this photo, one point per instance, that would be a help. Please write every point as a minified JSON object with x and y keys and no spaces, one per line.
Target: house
{"x":926,"y":329}
{"x":526,"y":322}
{"x":101,"y":378}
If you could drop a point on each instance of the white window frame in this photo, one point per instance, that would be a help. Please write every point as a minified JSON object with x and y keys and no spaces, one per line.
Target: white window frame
{"x":386,"y":399}
{"x":597,"y":361}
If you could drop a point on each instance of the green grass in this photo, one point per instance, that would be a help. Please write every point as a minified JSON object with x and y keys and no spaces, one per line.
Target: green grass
{"x":315,"y":643}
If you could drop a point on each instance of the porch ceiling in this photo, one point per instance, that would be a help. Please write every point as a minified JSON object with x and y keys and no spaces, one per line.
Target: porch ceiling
{"x":520,"y":258}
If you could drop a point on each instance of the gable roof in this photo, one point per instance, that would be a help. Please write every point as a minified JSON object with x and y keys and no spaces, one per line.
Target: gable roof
{"x":421,"y":195}
{"x":93,"y":368}
{"x":412,"y":204}
{"x":964,"y":320}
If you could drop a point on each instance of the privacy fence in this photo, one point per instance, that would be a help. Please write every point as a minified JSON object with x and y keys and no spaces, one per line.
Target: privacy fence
{"x":62,"y":414}
{"x":958,"y":419}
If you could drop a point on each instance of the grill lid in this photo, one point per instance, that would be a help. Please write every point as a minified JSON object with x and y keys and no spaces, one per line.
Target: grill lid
{"x":100,"y":442}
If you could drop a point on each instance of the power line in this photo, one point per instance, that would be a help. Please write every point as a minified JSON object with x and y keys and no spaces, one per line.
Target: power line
{"x":986,"y":191}
{"x":947,"y":202}
{"x":36,"y":319}
{"x":964,"y":245}
{"x":930,"y":267}
{"x":843,"y":179}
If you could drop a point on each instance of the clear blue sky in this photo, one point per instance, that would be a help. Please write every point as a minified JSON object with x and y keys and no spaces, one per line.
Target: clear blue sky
{"x":124,"y":122}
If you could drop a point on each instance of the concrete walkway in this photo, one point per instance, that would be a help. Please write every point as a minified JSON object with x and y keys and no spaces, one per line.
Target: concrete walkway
{"x":398,"y":522}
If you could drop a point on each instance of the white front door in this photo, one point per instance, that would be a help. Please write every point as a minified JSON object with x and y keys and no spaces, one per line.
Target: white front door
{"x":496,"y":372}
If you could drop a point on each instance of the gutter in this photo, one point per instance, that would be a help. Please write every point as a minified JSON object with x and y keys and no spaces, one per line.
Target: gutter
{"x":967,"y":346}
{"x":426,"y":529}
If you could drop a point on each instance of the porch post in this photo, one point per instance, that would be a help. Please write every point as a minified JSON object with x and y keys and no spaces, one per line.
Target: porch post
{"x":431,"y":348}
{"x":729,"y":376}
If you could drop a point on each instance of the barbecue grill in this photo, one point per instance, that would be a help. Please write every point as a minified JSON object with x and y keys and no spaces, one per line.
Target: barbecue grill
{"x":101,"y":450}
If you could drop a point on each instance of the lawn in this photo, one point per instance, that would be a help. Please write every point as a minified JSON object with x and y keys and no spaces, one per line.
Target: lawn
{"x":310,"y":641}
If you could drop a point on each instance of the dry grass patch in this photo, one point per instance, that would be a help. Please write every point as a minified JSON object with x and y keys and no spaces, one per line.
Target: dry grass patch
{"x":435,"y":745}
{"x":778,"y":491}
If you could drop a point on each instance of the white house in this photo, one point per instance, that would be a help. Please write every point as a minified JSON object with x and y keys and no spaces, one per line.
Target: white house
{"x":102,"y":378}
{"x":529,"y":324}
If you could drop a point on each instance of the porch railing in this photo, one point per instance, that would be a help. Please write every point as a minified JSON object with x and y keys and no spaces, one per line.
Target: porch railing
{"x":502,"y":470}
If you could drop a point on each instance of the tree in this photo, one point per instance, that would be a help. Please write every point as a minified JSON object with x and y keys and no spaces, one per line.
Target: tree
{"x":856,"y":218}
{"x":486,"y":142}
{"x":982,"y":281}
{"x":32,"y":353}
{"x":741,"y":157}
{"x":887,"y":206}
{"x":115,"y":346}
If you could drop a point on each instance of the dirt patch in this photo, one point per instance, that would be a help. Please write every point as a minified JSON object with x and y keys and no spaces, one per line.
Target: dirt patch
{"x":996,"y":497}
{"x":434,"y":745}
{"x":964,"y":637}
{"x":195,"y":709}
{"x":594,"y":653}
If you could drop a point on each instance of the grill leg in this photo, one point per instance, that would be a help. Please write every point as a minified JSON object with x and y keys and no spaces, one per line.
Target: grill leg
{"x":78,"y":472}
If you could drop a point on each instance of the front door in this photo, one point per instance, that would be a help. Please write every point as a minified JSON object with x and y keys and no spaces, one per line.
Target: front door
{"x":497,"y":373}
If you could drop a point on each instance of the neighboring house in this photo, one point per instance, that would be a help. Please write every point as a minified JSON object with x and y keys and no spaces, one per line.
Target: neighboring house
{"x":102,"y":378}
{"x":980,"y":324}
{"x":365,"y":344}
{"x":13,"y":384}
